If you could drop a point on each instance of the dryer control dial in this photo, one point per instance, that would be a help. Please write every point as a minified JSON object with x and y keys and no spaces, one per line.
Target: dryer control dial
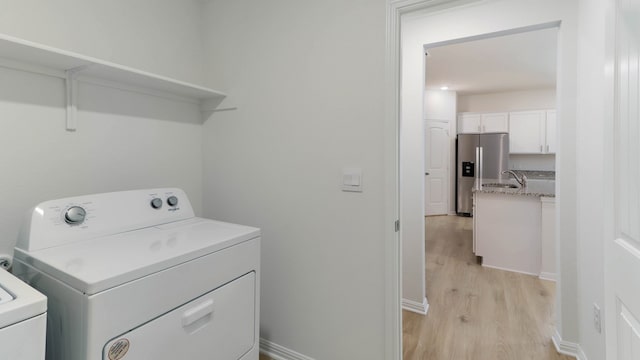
{"x":156,"y":203}
{"x":172,"y":201}
{"x":75,"y":215}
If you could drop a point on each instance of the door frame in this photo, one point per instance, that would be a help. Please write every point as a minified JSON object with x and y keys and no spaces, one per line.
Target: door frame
{"x":609,"y":227}
{"x":396,"y":10}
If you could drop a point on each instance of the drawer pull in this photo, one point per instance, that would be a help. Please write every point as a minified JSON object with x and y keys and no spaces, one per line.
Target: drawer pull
{"x":196,"y":313}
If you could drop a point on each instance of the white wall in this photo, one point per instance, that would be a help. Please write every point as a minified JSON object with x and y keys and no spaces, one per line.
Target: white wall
{"x":487,"y":17}
{"x":534,"y":99}
{"x":440,"y":105}
{"x":124,"y":140}
{"x":304,"y":113}
{"x":308,"y":80}
{"x":159,"y":36}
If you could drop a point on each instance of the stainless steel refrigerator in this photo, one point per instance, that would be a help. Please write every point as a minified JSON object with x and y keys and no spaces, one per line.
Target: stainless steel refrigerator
{"x":483,"y":156}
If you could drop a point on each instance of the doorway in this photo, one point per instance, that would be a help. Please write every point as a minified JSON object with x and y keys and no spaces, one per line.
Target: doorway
{"x":516,"y":87}
{"x":443,"y":21}
{"x":473,"y":87}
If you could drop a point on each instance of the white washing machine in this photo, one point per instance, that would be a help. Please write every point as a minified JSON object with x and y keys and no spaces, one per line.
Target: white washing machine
{"x":23,"y":320}
{"x":135,"y":275}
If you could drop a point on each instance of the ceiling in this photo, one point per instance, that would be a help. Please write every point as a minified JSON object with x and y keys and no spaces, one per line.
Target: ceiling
{"x":505,"y":63}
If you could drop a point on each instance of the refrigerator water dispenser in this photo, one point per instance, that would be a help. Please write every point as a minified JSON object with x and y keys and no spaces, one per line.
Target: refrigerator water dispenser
{"x":468,"y":169}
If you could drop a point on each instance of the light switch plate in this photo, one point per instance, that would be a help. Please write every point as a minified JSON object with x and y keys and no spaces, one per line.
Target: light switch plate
{"x":352,"y":179}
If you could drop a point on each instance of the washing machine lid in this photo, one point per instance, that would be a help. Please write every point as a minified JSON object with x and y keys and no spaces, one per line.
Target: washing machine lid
{"x":97,"y":264}
{"x":18,"y":301}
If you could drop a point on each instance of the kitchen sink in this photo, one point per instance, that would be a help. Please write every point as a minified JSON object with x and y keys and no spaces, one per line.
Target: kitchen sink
{"x":501,"y":185}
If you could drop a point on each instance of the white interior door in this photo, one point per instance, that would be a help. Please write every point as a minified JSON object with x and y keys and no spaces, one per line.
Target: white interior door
{"x":436,"y":179}
{"x":623,"y":242}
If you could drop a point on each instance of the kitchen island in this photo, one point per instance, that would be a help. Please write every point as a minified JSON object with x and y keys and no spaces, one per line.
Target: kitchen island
{"x":513,"y":227}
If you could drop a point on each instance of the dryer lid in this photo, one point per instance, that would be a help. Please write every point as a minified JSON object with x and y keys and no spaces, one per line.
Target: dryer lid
{"x":95,"y":265}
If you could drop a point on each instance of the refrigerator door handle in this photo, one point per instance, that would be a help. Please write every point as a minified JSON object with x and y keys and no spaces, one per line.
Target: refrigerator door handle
{"x":480,"y":163}
{"x":477,"y":164}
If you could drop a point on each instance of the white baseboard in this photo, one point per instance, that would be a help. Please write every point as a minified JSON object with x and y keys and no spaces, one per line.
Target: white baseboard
{"x":507,"y":269}
{"x":449,"y":213}
{"x":581,"y":355}
{"x":567,"y":348}
{"x":416,"y":307}
{"x":547,"y":276}
{"x":279,"y":352}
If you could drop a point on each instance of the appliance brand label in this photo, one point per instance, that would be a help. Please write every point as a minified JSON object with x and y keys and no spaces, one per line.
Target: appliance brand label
{"x":118,"y":349}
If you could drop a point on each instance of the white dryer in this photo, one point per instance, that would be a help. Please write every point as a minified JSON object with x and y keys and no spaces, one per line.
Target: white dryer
{"x":135,"y":275}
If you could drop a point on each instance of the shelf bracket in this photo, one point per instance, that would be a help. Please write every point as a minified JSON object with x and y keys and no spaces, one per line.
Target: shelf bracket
{"x":71,"y":88}
{"x":210,"y":106}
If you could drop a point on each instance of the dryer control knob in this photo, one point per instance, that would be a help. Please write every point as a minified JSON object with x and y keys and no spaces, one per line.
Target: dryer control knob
{"x":172,"y":201}
{"x":75,"y":215}
{"x":156,"y":203}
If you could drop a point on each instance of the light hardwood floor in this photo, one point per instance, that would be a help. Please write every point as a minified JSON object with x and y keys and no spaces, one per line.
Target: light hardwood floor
{"x":477,"y":313}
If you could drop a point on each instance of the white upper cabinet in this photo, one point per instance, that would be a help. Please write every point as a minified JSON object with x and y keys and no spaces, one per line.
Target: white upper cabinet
{"x":495,"y":122}
{"x":532,"y":132}
{"x":527,"y":135}
{"x":468,"y":123}
{"x":481,"y":123}
{"x":551,"y":132}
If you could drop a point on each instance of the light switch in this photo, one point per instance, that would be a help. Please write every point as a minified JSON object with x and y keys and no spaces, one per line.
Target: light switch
{"x":352,"y":179}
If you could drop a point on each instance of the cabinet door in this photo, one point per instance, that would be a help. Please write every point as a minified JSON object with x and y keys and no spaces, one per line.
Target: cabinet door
{"x":508,"y":232}
{"x":526,"y":132}
{"x":468,"y":123}
{"x":548,"y":239}
{"x":495,"y":122}
{"x":551,"y":132}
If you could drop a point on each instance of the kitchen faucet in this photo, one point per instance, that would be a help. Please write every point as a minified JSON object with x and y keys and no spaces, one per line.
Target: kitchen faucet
{"x":521,"y":180}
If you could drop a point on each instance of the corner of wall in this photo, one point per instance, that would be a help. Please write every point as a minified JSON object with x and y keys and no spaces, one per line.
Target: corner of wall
{"x":279,"y":352}
{"x":416,"y":307}
{"x":567,"y":348}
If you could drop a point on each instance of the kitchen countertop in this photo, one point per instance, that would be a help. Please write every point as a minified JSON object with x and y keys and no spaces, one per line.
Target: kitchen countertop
{"x":534,"y":187}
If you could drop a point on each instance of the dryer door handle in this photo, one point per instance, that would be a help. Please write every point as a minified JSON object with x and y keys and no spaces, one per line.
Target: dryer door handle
{"x":197,"y":312}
